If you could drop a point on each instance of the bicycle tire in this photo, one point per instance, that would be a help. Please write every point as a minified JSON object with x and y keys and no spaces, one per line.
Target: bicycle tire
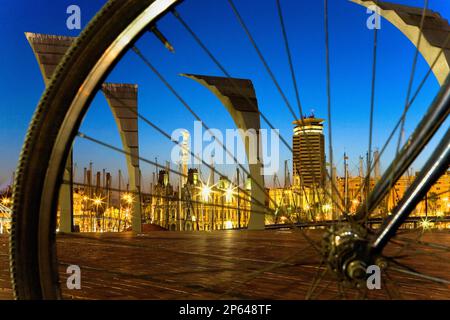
{"x":34,"y":272}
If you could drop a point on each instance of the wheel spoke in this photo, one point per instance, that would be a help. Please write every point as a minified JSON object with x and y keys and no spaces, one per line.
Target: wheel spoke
{"x":289,"y":56}
{"x":408,"y":94}
{"x":275,"y":81}
{"x":399,"y":121}
{"x":372,"y":106}
{"x":261,"y":57}
{"x":328,"y":86}
{"x":402,"y":268}
{"x":109,"y":146}
{"x":316,"y":280}
{"x":186,"y":105}
{"x":235,"y":87}
{"x":421,"y":275}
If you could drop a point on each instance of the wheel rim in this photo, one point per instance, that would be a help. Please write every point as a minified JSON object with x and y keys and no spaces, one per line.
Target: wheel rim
{"x":62,"y":144}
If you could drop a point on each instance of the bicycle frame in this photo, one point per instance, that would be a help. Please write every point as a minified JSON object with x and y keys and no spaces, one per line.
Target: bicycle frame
{"x":425,"y":130}
{"x":436,"y":165}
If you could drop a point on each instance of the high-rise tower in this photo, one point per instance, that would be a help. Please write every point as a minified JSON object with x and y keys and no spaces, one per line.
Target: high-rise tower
{"x":185,"y":153}
{"x":309,"y":152}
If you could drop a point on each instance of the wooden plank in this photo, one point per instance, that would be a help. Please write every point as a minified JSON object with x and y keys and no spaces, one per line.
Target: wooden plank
{"x":224,"y":264}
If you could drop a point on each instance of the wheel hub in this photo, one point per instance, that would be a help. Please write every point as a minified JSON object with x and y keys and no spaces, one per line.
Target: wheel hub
{"x":346,"y":252}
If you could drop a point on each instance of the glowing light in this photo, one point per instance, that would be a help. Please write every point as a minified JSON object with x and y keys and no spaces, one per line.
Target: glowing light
{"x":128,"y":198}
{"x":127,"y":213}
{"x":327,"y":207}
{"x":426,"y":224}
{"x":6,"y":201}
{"x":228,"y":225}
{"x":306,"y":207}
{"x":194,"y":218}
{"x":229,"y":194}
{"x":97,"y":201}
{"x":355,"y":201}
{"x":85,"y":198}
{"x":205,"y":192}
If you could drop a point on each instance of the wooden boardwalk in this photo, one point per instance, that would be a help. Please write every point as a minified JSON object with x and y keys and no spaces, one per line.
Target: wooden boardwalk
{"x":226,"y":265}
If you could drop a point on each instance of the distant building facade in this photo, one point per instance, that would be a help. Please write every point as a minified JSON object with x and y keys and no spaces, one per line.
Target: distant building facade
{"x":308,"y":156}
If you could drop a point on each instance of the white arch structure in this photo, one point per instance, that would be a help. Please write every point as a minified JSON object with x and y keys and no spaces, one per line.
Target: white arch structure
{"x":434,"y":34}
{"x":404,"y":18}
{"x":235,"y":95}
{"x":49,"y":50}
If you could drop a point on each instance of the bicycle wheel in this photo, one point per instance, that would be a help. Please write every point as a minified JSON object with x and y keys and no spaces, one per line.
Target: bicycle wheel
{"x":59,"y":115}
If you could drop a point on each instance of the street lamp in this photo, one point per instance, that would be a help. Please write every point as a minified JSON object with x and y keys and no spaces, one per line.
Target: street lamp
{"x":128,"y":198}
{"x":426,"y":224}
{"x":205,"y":192}
{"x":6,"y":201}
{"x":229,"y":194}
{"x":97,"y":201}
{"x":127,"y":215}
{"x":85,"y":200}
{"x":228,"y":225}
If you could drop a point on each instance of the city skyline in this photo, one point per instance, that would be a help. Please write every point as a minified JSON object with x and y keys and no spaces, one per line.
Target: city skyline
{"x":229,"y":149}
{"x":344,"y":141}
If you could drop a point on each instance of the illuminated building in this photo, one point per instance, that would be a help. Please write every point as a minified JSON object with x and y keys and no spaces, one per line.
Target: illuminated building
{"x":201,"y":205}
{"x":436,"y":203}
{"x":5,"y":219}
{"x":309,"y":152}
{"x":215,"y":205}
{"x":185,"y":153}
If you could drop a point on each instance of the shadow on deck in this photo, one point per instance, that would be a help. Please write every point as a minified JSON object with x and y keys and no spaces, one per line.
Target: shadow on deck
{"x":271,"y":264}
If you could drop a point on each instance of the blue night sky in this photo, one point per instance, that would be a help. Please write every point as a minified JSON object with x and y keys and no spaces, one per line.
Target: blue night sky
{"x":351,"y":64}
